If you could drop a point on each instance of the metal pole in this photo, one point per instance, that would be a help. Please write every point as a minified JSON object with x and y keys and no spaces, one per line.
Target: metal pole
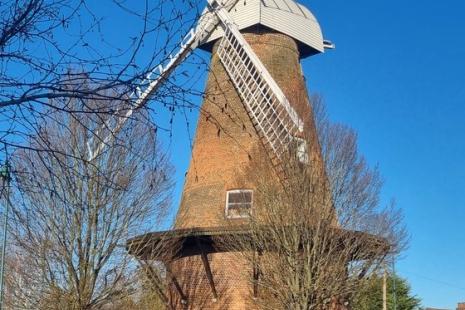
{"x":394,"y":282}
{"x":385,"y":289}
{"x":5,"y":175}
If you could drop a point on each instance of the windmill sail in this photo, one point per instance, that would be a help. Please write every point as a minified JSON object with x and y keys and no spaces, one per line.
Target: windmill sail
{"x":276,"y":122}
{"x":155,"y":78}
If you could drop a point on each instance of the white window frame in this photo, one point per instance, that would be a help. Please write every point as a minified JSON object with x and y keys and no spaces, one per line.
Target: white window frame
{"x":235,"y":191}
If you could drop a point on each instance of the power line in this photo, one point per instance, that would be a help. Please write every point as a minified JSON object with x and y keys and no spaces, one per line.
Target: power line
{"x":394,"y":282}
{"x":435,"y":280}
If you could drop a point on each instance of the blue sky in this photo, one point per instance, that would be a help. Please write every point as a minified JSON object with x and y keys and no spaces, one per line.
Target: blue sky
{"x":397,"y":77}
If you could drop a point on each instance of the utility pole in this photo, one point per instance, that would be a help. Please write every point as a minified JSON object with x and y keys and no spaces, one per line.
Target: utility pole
{"x":6,"y":178}
{"x":385,"y":289}
{"x":394,"y":282}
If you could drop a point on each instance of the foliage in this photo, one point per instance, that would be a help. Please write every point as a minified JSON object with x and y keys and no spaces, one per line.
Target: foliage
{"x":370,"y":294}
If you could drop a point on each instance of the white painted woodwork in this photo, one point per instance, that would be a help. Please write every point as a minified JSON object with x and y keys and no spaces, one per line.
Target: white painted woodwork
{"x":285,"y":16}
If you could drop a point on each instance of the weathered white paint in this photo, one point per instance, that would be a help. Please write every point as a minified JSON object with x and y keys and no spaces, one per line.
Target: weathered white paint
{"x":285,"y":16}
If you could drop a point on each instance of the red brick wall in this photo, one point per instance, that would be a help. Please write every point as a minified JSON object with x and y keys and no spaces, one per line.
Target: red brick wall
{"x":223,"y":145}
{"x":225,"y":136}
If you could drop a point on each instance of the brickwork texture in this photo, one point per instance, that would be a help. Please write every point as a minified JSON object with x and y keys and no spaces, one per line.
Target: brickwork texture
{"x":224,"y":141}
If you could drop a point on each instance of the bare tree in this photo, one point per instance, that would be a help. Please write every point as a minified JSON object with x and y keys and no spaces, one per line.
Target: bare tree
{"x":21,"y":281}
{"x":316,"y":234}
{"x":72,"y":218}
{"x":354,"y":184}
{"x":54,"y":50}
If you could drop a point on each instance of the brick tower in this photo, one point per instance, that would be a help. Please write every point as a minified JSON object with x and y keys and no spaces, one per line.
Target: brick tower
{"x":226,"y":137}
{"x":280,"y":33}
{"x":255,"y":105}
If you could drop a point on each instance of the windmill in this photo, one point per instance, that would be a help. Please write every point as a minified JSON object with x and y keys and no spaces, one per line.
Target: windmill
{"x":255,"y":98}
{"x":267,"y":105}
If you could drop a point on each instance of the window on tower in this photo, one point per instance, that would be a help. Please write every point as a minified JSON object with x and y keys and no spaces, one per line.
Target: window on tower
{"x":238,"y":203}
{"x":301,"y":150}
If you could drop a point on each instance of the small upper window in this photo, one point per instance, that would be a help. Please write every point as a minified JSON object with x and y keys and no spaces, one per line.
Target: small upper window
{"x":238,"y":203}
{"x":301,"y":150}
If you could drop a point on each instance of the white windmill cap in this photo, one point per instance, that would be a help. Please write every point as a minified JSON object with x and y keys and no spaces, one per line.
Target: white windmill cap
{"x":285,"y":16}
